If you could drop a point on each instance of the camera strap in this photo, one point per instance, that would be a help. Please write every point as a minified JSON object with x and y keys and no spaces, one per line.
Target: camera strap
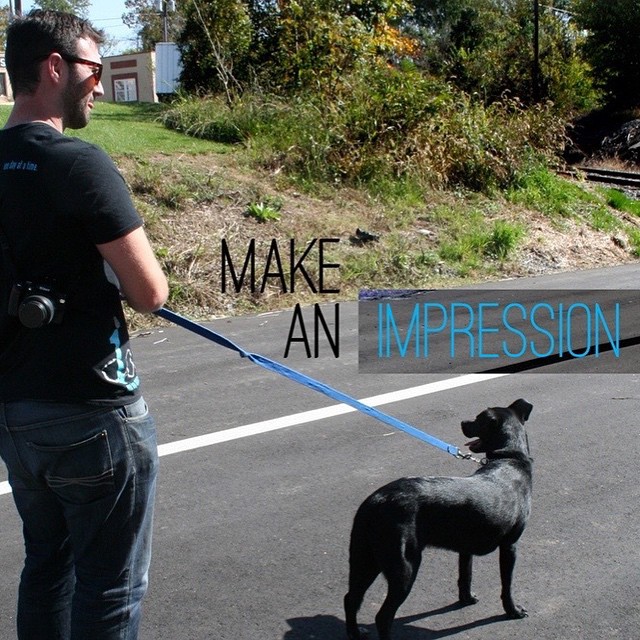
{"x":8,"y":265}
{"x":7,"y":280}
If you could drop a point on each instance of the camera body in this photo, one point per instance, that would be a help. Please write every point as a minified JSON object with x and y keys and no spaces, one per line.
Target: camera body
{"x":36,"y":305}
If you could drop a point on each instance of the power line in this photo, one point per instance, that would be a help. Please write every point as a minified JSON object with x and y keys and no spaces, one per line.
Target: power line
{"x":105,"y":19}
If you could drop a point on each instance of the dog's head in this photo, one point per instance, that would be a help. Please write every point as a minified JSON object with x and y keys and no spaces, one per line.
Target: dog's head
{"x":499,"y":428}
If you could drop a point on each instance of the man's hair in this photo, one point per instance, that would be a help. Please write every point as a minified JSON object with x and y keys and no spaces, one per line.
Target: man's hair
{"x":30,"y":39}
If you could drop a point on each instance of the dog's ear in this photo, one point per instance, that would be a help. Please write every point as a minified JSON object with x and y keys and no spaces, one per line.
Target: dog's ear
{"x":522,"y":409}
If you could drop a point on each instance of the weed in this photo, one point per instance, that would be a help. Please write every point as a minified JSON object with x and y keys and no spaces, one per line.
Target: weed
{"x":503,"y":239}
{"x":264,"y":211}
{"x":208,"y":119}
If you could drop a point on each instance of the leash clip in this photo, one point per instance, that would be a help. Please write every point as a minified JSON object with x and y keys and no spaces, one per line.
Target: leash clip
{"x":468,"y":456}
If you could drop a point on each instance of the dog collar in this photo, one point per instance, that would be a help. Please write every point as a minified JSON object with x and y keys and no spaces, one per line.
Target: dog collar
{"x":506,"y":454}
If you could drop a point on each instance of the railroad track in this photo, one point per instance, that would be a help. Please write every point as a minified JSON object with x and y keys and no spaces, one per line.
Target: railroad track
{"x":607,"y":176}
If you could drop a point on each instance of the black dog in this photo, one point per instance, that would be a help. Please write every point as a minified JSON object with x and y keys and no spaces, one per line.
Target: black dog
{"x":472,"y":516}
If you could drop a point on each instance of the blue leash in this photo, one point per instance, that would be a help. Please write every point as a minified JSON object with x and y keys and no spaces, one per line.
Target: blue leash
{"x":296,"y":376}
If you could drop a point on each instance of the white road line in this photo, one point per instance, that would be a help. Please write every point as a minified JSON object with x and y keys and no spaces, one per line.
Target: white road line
{"x":209,"y":439}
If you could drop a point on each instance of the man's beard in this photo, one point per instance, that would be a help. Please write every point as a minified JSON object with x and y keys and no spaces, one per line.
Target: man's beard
{"x":76,"y":112}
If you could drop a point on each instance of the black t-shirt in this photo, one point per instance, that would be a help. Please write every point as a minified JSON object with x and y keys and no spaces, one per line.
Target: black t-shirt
{"x":59,"y":198}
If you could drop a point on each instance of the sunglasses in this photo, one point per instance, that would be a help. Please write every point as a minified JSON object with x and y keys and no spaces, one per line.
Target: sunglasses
{"x":96,"y":70}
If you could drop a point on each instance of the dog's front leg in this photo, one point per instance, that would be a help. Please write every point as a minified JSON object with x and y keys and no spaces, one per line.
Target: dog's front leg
{"x":507,"y":563}
{"x":465,"y":571}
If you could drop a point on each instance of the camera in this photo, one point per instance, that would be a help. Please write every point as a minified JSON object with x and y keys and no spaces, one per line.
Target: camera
{"x":36,"y":305}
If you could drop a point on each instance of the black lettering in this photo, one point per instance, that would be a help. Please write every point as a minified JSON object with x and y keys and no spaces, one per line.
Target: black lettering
{"x":326,"y":265}
{"x":334,"y":342}
{"x":298,"y":319}
{"x":274,"y":252}
{"x":319,"y":321}
{"x":295,"y":266}
{"x":250,"y":261}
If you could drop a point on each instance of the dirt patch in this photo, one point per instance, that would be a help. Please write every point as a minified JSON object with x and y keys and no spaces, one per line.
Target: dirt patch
{"x":572,"y":247}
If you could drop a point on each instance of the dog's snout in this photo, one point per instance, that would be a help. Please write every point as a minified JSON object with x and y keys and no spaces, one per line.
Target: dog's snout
{"x":468,"y":428}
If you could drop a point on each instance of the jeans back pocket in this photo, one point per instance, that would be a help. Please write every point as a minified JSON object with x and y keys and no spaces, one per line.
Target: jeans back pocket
{"x":78,"y":472}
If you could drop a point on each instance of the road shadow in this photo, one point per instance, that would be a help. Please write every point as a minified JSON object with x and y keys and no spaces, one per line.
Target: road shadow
{"x":325,"y":627}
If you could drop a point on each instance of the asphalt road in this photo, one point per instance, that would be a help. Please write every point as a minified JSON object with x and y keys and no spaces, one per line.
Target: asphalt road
{"x":252,"y":524}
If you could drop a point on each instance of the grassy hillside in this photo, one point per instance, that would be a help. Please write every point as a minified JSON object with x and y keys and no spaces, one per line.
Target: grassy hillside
{"x":197,"y":195}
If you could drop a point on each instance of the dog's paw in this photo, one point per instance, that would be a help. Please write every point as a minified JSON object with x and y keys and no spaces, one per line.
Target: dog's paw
{"x":359,"y":633}
{"x":516,"y":612}
{"x":468,"y":599}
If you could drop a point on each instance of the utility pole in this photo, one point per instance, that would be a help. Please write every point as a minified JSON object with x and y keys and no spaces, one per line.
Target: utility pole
{"x":165,"y":7}
{"x":536,"y":50}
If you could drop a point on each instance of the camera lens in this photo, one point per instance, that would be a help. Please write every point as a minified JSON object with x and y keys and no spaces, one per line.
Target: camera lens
{"x":36,"y":311}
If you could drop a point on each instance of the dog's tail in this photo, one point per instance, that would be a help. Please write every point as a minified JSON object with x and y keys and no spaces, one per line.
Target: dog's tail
{"x":363,"y":563}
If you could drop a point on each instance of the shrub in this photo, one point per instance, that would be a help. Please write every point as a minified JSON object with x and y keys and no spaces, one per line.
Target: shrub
{"x":383,"y":124}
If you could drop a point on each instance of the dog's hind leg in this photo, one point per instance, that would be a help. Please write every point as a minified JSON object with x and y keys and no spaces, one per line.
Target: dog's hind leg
{"x":507,"y":563}
{"x":358,"y":585}
{"x":363,"y":570}
{"x":400,"y":573}
{"x":465,"y":571}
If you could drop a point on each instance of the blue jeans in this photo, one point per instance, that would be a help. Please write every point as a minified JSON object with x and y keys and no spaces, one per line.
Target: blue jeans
{"x":83,"y":480}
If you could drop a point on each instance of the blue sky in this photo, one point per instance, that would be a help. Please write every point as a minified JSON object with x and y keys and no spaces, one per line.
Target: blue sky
{"x":106,"y":15}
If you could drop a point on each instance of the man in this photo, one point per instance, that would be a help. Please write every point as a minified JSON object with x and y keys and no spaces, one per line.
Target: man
{"x":75,"y":433}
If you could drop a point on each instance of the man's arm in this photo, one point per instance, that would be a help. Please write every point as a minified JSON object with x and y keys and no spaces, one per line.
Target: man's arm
{"x":142,"y":281}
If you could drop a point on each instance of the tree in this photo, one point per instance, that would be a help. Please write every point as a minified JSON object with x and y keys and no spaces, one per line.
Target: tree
{"x":316,"y":45}
{"x":214,"y":46}
{"x":4,"y":23}
{"x":611,"y":46}
{"x":285,"y":44}
{"x":77,"y":7}
{"x":302,"y":43}
{"x":485,"y":47}
{"x":145,"y":18}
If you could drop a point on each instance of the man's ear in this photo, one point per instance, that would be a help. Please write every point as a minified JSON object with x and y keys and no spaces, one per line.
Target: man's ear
{"x":53,"y":68}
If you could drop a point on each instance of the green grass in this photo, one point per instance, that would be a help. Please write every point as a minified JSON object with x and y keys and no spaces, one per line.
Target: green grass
{"x":620,"y":201}
{"x":134,"y":129}
{"x":542,"y":190}
{"x":503,"y":239}
{"x":603,"y":220}
{"x":634,"y":240}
